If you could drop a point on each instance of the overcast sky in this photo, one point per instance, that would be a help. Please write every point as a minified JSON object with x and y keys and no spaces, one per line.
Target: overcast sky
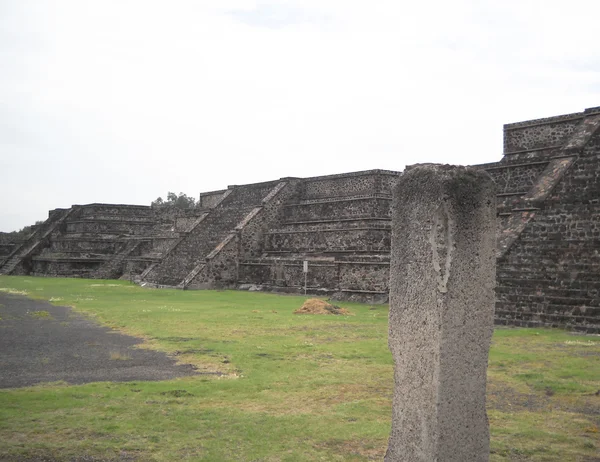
{"x":123,"y":101}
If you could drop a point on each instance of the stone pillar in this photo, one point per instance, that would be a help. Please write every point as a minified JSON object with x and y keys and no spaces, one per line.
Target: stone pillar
{"x":442,"y":279}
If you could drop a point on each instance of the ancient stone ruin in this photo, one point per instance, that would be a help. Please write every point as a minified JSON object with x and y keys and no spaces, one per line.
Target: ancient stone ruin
{"x":259,"y":235}
{"x":443,"y":267}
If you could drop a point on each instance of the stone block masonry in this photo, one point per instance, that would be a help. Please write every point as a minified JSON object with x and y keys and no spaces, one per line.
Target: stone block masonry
{"x":441,"y":319}
{"x":548,"y":267}
{"x":341,"y":225}
{"x":94,"y":240}
{"x":548,"y":248}
{"x":183,"y":264}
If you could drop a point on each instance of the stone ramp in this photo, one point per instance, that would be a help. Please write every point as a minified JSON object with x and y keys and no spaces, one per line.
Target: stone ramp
{"x":41,"y":343}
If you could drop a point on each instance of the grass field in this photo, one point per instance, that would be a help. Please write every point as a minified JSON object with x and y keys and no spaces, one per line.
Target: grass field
{"x":294,"y":388}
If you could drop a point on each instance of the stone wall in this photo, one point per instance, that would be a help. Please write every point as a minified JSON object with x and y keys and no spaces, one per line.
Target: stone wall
{"x":116,"y":212}
{"x":84,"y":245}
{"x":539,"y":133}
{"x":348,"y":184}
{"x":369,"y":239}
{"x":111,"y":227}
{"x":210,"y":199}
{"x":516,"y":178}
{"x":359,"y":207}
{"x":84,"y":267}
{"x":344,"y":279}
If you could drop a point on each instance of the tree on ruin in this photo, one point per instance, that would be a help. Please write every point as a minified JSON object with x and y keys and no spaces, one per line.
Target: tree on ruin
{"x":181,"y":201}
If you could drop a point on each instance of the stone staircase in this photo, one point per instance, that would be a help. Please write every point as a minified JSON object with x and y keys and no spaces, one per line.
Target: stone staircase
{"x":187,"y":257}
{"x":167,"y":252}
{"x":340,"y":224}
{"x":97,"y":241}
{"x":113,"y":267}
{"x":548,"y":237}
{"x":93,"y":242}
{"x":6,"y":249}
{"x":19,"y":260}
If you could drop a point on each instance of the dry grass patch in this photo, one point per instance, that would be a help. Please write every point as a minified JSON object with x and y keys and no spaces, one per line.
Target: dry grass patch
{"x":11,"y":291}
{"x":318,"y":306}
{"x":118,"y":356}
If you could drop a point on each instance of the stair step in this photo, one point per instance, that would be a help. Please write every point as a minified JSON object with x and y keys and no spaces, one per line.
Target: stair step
{"x":592,"y":284}
{"x":548,"y":292}
{"x":326,"y":200}
{"x":340,"y":220}
{"x":560,"y":318}
{"x":532,"y":300}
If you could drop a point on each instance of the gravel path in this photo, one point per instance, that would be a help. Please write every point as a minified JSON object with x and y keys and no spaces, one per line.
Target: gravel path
{"x":40,"y":342}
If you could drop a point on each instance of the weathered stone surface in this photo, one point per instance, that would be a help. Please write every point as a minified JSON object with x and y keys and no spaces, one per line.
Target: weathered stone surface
{"x":442,"y":279}
{"x":549,"y":236}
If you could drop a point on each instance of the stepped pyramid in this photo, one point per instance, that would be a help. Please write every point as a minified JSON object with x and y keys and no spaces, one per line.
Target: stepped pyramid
{"x":259,"y":235}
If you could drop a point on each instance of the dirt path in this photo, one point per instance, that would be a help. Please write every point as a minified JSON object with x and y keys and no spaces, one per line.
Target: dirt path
{"x":40,"y":342}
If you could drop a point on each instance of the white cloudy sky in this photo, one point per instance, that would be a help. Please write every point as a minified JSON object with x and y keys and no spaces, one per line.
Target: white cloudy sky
{"x":121,"y":101}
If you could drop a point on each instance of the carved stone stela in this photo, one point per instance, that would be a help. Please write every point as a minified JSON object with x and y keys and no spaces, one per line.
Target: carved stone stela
{"x":442,"y":279}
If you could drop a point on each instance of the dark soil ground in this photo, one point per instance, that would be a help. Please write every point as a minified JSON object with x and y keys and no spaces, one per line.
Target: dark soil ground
{"x":40,"y":342}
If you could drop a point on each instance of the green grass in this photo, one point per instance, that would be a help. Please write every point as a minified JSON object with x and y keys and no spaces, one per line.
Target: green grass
{"x":40,"y":314}
{"x":294,"y":388}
